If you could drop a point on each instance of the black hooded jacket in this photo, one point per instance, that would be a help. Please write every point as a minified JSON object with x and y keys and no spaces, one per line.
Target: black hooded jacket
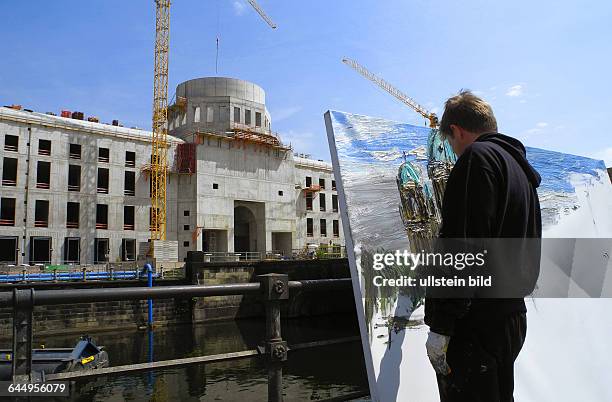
{"x":491,"y":193}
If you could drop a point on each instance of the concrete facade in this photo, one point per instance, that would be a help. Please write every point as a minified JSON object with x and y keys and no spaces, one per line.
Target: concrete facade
{"x":240,"y":183}
{"x":244,"y":196}
{"x":218,"y":104}
{"x":31,"y":128}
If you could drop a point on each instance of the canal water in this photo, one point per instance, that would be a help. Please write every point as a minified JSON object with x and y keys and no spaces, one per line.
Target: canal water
{"x":318,"y":373}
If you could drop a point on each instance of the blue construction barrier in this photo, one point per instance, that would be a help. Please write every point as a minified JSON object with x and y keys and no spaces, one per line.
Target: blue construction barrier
{"x":72,"y":276}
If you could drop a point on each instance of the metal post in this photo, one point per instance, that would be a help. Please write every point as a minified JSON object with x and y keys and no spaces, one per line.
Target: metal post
{"x":274,"y":288}
{"x":23,"y":306}
{"x":151,"y":374}
{"x":149,"y":270}
{"x":84,"y":274}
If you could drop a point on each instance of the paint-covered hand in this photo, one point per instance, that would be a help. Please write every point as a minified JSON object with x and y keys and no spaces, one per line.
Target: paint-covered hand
{"x":436,"y":346}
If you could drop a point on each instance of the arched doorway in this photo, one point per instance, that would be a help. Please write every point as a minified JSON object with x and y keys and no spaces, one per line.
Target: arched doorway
{"x":245,"y":229}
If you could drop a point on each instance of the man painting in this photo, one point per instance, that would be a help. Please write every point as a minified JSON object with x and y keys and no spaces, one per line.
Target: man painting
{"x":490,"y":193}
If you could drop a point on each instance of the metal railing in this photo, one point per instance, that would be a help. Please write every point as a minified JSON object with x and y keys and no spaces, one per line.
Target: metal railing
{"x":225,"y":256}
{"x":322,"y":252}
{"x":56,"y":275}
{"x":272,"y":288}
{"x":45,"y":272}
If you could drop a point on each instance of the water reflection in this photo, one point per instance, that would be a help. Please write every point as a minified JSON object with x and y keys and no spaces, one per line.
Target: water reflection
{"x":310,"y":374}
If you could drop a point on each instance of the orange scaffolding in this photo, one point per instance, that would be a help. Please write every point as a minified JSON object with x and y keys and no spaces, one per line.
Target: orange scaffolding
{"x":196,"y":233}
{"x":145,"y":170}
{"x":244,"y":137}
{"x":260,"y":138}
{"x":185,"y":158}
{"x":180,"y":105}
{"x":314,"y":188}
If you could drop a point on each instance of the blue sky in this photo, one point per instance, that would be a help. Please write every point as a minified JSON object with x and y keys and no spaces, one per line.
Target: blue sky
{"x":543,"y":65}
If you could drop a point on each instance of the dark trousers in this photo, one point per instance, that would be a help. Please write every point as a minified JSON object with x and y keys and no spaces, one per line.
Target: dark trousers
{"x":482,"y":361}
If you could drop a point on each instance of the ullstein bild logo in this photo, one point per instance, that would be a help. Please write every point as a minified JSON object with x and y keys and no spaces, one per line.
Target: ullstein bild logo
{"x":432,"y":281}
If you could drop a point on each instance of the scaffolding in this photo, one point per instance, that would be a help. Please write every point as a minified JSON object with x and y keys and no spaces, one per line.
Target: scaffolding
{"x":242,"y":136}
{"x":196,"y":233}
{"x":185,"y":158}
{"x":180,"y":105}
{"x":145,"y":170}
{"x":313,"y":188}
{"x":259,"y":138}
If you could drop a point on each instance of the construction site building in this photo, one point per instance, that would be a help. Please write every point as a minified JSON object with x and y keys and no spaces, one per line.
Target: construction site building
{"x":78,"y":192}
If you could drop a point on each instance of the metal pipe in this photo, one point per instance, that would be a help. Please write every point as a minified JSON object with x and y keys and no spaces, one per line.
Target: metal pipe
{"x":320,"y":284}
{"x":273,"y":337}
{"x":63,"y":296}
{"x":23,"y":307}
{"x":51,"y":297}
{"x":149,"y":366}
{"x":274,"y":290}
{"x":273,"y":322}
{"x":149,"y":269}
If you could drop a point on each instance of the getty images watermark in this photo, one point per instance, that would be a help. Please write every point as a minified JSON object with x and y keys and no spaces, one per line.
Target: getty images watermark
{"x":404,"y":259}
{"x":497,"y":268}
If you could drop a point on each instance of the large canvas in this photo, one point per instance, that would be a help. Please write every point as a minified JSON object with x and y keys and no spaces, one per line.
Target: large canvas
{"x":563,"y":344}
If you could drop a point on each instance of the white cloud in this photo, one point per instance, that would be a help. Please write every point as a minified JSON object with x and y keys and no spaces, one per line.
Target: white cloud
{"x":515,"y":90}
{"x":284,"y":113}
{"x":238,"y":7}
{"x":605,"y":154}
{"x":539,"y":128}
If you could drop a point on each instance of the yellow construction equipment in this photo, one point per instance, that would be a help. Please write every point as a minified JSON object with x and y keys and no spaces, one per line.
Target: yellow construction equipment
{"x":433,"y":119}
{"x":159,"y":154}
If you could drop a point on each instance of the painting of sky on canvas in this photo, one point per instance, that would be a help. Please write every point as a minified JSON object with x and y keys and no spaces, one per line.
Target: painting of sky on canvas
{"x":576,"y":201}
{"x":371,"y":149}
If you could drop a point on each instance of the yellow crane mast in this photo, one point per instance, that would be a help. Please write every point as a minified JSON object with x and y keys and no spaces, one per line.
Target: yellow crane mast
{"x":433,"y":119}
{"x":159,"y":154}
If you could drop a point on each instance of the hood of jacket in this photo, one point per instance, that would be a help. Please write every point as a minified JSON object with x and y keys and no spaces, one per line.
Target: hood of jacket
{"x":517,"y":150}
